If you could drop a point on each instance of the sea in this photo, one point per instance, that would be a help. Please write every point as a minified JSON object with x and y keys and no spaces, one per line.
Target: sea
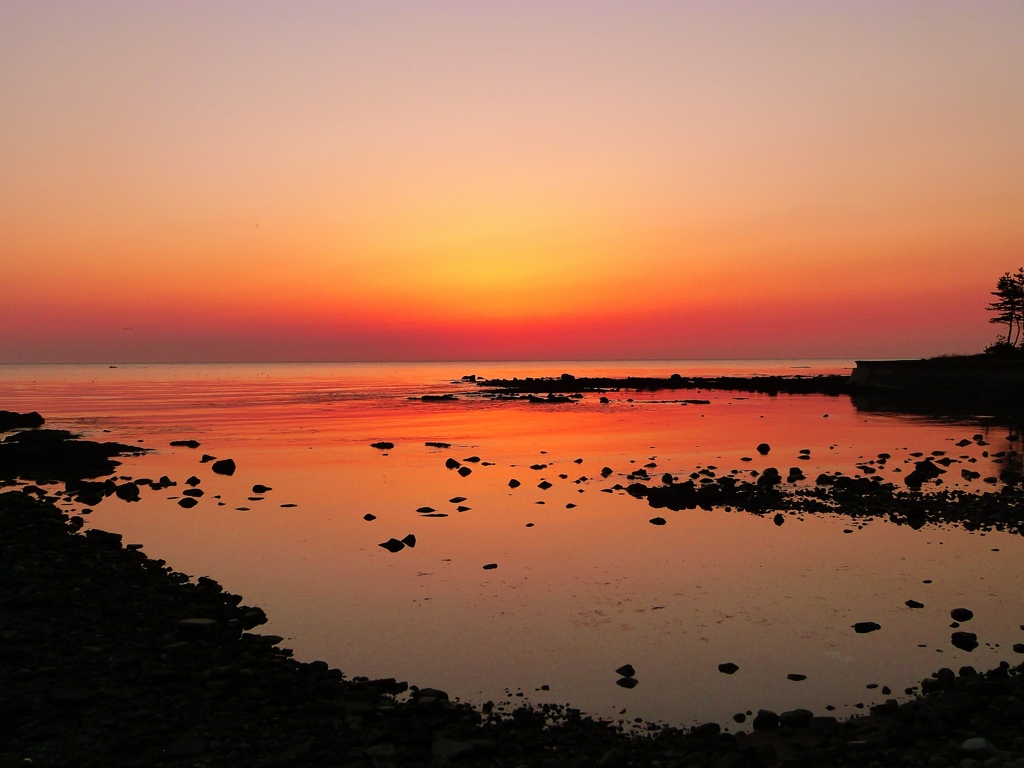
{"x":582,"y":582}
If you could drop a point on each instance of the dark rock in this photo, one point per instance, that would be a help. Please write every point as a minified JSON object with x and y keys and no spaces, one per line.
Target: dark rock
{"x":187,"y":746}
{"x":434,"y":444}
{"x":863,"y":627}
{"x":795,"y":677}
{"x":657,"y":521}
{"x":779,"y":519}
{"x":513,"y":483}
{"x":765,"y":720}
{"x":368,"y":517}
{"x":409,"y":541}
{"x":543,"y":485}
{"x":188,"y":502}
{"x":462,"y":508}
{"x":393,"y":545}
{"x":382,"y":445}
{"x":224,"y":467}
{"x":538,"y":467}
{"x":261,"y":488}
{"x":965,"y":641}
{"x":465,"y":471}
{"x":206,"y":458}
{"x":490,"y":566}
{"x":961,"y":614}
{"x":605,"y":471}
{"x":472,"y":460}
{"x":426,"y":509}
{"x":627,"y":682}
{"x":456,"y":499}
{"x":55,"y":455}
{"x":127,"y":492}
{"x":11,"y":420}
{"x":740,"y":717}
{"x":764,"y":449}
{"x":626,"y":670}
{"x":185,"y":443}
{"x":452,"y":463}
{"x":914,"y":604}
{"x":728,"y":668}
{"x":196,"y":492}
{"x":797,"y":718}
{"x":1018,"y":647}
{"x":193,"y":481}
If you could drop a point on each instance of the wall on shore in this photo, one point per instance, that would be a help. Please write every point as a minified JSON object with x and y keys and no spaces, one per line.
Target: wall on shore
{"x":968,"y":374}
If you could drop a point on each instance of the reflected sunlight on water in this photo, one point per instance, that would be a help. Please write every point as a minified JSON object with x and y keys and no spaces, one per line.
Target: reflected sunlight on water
{"x":585,"y":588}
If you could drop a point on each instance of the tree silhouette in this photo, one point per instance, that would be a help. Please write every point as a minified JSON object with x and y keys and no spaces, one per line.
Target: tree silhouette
{"x":1009,"y":308}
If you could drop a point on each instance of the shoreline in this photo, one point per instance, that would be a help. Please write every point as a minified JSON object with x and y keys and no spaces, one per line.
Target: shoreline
{"x":108,"y":657}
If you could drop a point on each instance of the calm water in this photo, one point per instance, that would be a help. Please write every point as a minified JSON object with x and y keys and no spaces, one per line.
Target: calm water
{"x":581,"y":591}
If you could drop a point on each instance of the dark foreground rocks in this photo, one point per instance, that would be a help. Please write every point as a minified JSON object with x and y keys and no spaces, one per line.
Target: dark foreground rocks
{"x":45,"y":455}
{"x":854,"y":497}
{"x":828,"y":384}
{"x":110,"y":658}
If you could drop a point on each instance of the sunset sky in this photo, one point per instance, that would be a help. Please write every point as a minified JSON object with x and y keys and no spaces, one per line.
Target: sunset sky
{"x":251,"y":181}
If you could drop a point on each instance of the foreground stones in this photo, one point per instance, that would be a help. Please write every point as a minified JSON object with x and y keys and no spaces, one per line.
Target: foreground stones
{"x":108,"y":657}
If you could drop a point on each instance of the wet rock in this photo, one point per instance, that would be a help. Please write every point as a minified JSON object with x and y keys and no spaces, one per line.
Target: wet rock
{"x":188,"y":502}
{"x":435,"y":444}
{"x":1018,"y":647}
{"x":452,"y":463}
{"x":795,"y":677}
{"x":369,"y":517}
{"x":490,"y":566}
{"x":543,"y":485}
{"x":223,"y":467}
{"x":914,"y":604}
{"x":409,"y":541}
{"x":965,"y":641}
{"x":513,"y":483}
{"x":127,"y":492}
{"x":657,"y":521}
{"x":538,"y":467}
{"x":604,"y":400}
{"x":425,"y":509}
{"x":206,"y":458}
{"x":449,"y":749}
{"x":765,"y":720}
{"x":627,"y":682}
{"x":382,"y":445}
{"x":764,"y":449}
{"x":795,"y":475}
{"x":728,"y":668}
{"x":779,"y":519}
{"x":185,"y":443}
{"x":797,"y":718}
{"x":606,"y":471}
{"x":863,"y":627}
{"x":11,"y":420}
{"x":462,"y":508}
{"x":456,"y":499}
{"x":188,"y":746}
{"x":56,"y":455}
{"x":740,"y":717}
{"x":626,"y":670}
{"x":193,"y":481}
{"x":961,"y":614}
{"x":465,"y":471}
{"x":195,"y":492}
{"x":261,"y":488}
{"x":978,"y":747}
{"x":577,"y":461}
{"x":392,"y":545}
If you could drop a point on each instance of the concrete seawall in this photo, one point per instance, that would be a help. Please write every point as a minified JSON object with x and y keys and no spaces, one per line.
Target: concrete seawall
{"x":969,"y":375}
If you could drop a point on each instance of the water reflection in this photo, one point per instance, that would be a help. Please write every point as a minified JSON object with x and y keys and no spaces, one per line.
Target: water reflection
{"x":583,"y":583}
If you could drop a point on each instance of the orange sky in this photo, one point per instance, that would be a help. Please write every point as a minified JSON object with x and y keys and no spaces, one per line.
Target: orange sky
{"x":256,"y":181}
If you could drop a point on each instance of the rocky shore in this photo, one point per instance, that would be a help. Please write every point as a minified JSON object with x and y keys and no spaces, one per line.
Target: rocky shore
{"x":772,"y":385}
{"x":108,"y":657}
